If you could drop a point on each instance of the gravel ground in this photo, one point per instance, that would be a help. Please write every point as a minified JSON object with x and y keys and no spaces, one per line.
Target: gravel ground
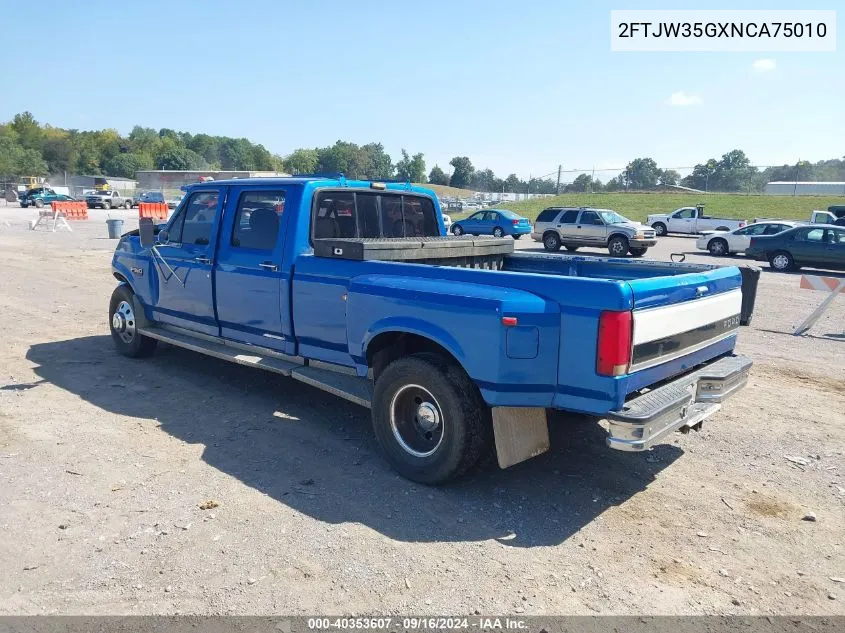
{"x":106,"y":465}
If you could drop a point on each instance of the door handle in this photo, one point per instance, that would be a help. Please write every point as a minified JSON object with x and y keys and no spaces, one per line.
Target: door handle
{"x":202,"y":260}
{"x":269,"y":266}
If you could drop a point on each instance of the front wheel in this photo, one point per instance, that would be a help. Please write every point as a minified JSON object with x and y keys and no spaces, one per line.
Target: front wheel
{"x":39,"y":204}
{"x":457,"y":230}
{"x":429,"y":419}
{"x":516,"y":237}
{"x":659,"y":228}
{"x":124,"y":326}
{"x":617,"y":246}
{"x":572,"y":249}
{"x":498,"y":232}
{"x":637,"y":252}
{"x":718,"y":247}
{"x":551,"y":242}
{"x":782,"y":262}
{"x":127,"y":205}
{"x":107,"y":204}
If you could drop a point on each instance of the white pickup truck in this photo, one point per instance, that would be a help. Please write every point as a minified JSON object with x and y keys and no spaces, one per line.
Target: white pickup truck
{"x":690,"y":220}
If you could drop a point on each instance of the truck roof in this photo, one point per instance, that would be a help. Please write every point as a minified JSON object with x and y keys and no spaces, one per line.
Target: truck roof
{"x":329,"y":181}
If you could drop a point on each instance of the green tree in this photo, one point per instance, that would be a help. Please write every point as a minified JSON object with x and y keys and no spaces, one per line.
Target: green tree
{"x":302,"y":161}
{"x":514,"y":184}
{"x":437,"y":176}
{"x":180,"y":158}
{"x":411,"y":168}
{"x":30,"y":134}
{"x":643,"y":173}
{"x":125,"y":165}
{"x":668,"y":177}
{"x":376,"y":163}
{"x":59,"y":154}
{"x":582,"y":182}
{"x":733,"y":172}
{"x":462,"y":171}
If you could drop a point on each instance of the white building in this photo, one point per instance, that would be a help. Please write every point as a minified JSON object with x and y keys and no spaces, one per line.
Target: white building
{"x":803,"y":188}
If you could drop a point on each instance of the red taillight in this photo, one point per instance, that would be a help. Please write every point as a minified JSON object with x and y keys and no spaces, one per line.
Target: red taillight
{"x":741,"y":224}
{"x":515,"y":222}
{"x":509,"y":321}
{"x":613,"y":356}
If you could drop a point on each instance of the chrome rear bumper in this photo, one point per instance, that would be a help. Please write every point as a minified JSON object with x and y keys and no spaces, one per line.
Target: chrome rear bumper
{"x":678,"y":405}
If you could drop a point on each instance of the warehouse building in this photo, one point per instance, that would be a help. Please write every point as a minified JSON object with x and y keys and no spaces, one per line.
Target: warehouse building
{"x":166,"y":179}
{"x":804,"y":188}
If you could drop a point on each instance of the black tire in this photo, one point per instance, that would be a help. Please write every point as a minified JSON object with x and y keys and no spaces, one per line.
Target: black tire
{"x":498,"y":232}
{"x":107,"y":204}
{"x":39,"y":203}
{"x":516,"y":237}
{"x":659,"y":228}
{"x":637,"y":252}
{"x":24,"y":205}
{"x":782,"y":262}
{"x":127,"y":205}
{"x":463,"y":432}
{"x":551,"y":241}
{"x":718,"y":247}
{"x":617,"y":246}
{"x":571,"y":248}
{"x":124,"y":332}
{"x":457,"y":229}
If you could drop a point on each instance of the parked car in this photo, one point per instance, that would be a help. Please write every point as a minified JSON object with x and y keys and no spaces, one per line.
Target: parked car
{"x":736,"y":241}
{"x":497,"y":222}
{"x":690,"y":220}
{"x":817,"y":246}
{"x":148,"y":196}
{"x":41,"y":196}
{"x":453,"y":359}
{"x":573,"y":228}
{"x":835,"y":214}
{"x":108,"y":200}
{"x":172,"y":203}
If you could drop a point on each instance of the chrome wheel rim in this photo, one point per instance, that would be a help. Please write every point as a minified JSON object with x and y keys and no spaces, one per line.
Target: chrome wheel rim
{"x":617,"y":248}
{"x":457,"y":230}
{"x":498,"y":232}
{"x":550,"y":241}
{"x":717,"y":248}
{"x":123,"y":322}
{"x":781,"y":262}
{"x":658,"y":228}
{"x":416,"y":420}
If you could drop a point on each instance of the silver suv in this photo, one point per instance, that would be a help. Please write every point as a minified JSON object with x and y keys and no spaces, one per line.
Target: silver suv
{"x":574,"y":228}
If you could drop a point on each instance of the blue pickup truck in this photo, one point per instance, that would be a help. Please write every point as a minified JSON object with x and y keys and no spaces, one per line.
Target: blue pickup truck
{"x":458,"y":345}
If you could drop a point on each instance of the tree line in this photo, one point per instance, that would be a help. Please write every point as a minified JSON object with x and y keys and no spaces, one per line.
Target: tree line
{"x":29,"y":148}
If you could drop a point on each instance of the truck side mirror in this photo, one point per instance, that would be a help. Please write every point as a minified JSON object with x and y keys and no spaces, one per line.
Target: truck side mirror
{"x":146,"y":232}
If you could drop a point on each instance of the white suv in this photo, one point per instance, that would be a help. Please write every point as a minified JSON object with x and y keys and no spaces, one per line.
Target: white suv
{"x":573,"y":228}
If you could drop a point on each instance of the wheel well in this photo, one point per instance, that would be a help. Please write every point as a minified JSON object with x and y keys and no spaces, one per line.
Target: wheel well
{"x":722,"y":228}
{"x":618,"y":235}
{"x":388,"y":346}
{"x":547,"y":231}
{"x":120,"y":277}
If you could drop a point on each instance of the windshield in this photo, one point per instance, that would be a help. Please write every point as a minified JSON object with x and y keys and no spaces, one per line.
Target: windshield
{"x":611,"y":217}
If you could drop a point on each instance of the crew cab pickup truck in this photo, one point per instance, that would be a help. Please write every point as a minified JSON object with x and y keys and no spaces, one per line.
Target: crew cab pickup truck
{"x":456,"y":344}
{"x":40,"y":196}
{"x":108,"y":200}
{"x":690,"y":220}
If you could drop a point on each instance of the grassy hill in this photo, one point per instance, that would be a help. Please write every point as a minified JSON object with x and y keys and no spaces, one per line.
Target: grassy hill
{"x":443,"y":191}
{"x":637,"y":206}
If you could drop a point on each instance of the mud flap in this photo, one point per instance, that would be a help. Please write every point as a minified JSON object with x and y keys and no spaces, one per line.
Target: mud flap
{"x":520,"y":432}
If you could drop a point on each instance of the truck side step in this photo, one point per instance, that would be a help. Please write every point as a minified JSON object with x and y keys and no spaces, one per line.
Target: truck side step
{"x":218,"y":350}
{"x":352,"y":388}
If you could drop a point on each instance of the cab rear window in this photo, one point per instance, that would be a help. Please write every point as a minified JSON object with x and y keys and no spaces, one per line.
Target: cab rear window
{"x":347,"y":214}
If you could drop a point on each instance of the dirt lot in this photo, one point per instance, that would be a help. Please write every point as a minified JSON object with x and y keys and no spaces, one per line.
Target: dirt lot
{"x":104,"y":463}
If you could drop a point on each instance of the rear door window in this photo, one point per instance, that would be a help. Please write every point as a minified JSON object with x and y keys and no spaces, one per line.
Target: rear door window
{"x":257,"y":220}
{"x":569,"y":217}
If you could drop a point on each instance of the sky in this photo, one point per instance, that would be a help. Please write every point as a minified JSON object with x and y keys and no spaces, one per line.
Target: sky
{"x":519,"y":87}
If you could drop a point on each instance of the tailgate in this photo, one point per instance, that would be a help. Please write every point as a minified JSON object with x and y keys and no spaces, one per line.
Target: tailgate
{"x":681,"y":321}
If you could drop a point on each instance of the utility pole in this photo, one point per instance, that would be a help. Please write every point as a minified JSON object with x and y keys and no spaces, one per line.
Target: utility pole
{"x":557,"y":187}
{"x":795,"y":186}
